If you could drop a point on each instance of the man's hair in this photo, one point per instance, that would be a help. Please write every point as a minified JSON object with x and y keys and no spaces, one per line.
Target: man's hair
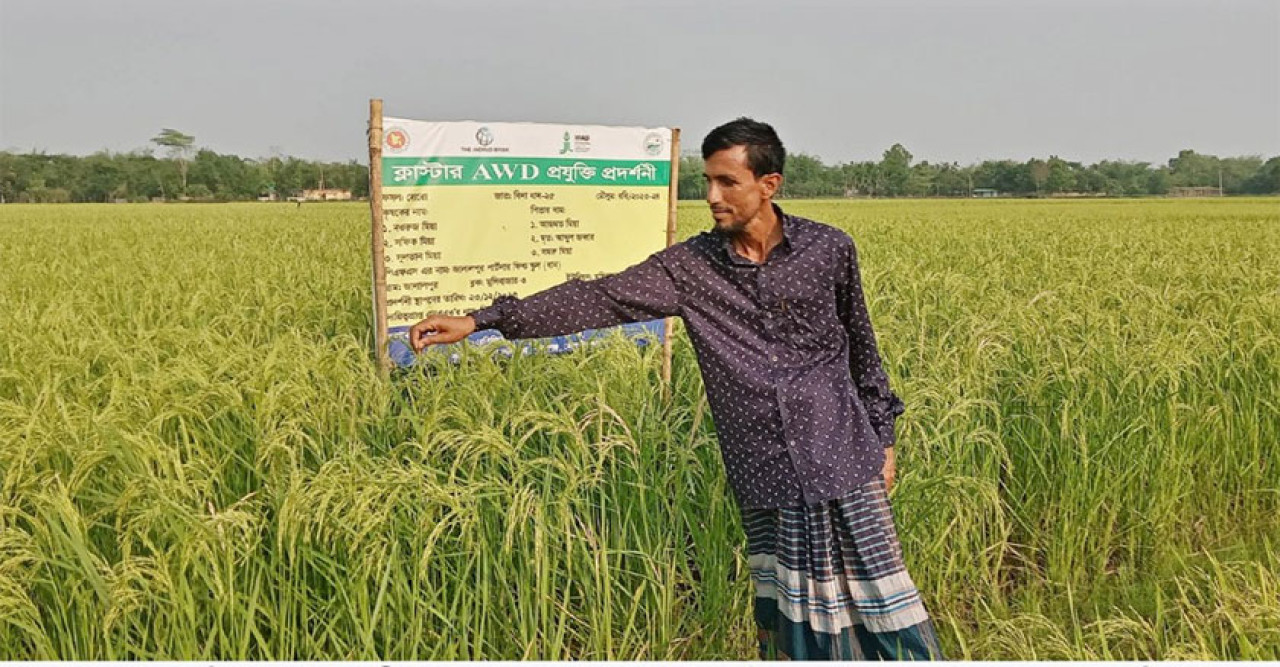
{"x":765,"y":154}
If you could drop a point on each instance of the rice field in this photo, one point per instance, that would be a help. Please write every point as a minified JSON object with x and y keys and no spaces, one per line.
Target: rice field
{"x":199,"y":461}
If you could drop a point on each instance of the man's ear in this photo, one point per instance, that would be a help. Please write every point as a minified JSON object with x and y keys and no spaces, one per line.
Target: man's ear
{"x":771,"y":183}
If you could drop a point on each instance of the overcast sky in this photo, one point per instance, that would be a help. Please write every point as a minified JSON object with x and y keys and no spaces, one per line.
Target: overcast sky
{"x":843,"y":80}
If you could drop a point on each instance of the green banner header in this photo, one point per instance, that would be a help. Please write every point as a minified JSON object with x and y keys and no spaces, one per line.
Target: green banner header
{"x":415,"y":171}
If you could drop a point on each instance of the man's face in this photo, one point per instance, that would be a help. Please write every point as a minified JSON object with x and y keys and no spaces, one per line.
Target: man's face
{"x":734,"y":193}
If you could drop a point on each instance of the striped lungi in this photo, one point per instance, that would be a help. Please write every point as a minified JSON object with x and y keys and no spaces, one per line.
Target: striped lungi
{"x":830,"y":582}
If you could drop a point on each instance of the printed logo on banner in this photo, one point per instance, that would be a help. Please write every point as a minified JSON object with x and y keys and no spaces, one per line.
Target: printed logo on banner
{"x":396,"y":139}
{"x":576,"y":143}
{"x":653,"y":143}
{"x":484,"y":143}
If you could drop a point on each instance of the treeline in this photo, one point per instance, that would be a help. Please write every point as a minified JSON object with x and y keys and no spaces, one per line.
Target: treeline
{"x":210,"y":176}
{"x":896,"y":175}
{"x":141,"y":176}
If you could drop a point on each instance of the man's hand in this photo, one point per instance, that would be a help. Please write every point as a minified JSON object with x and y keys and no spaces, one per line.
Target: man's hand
{"x":888,"y":470}
{"x":439,"y":330}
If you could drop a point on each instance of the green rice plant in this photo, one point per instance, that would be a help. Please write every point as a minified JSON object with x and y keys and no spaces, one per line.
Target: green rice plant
{"x":199,"y":461}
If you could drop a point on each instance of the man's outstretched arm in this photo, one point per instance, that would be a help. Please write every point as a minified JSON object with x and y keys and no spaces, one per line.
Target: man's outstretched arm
{"x":645,"y":291}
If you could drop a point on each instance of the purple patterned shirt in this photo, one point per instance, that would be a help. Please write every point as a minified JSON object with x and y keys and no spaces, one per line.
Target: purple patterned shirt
{"x":801,"y":403}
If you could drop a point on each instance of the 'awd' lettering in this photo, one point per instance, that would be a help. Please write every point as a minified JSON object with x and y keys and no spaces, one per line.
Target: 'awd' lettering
{"x":507,"y":171}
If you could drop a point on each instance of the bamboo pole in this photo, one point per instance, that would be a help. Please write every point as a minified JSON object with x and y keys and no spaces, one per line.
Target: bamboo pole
{"x":668,"y":326}
{"x":379,"y":260}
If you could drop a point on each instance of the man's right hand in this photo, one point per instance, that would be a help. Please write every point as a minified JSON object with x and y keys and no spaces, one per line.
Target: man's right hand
{"x":439,"y":330}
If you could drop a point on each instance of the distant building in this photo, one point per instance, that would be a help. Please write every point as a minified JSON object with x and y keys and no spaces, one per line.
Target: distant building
{"x":326,"y":194}
{"x":1206,"y":191}
{"x":985,"y":192}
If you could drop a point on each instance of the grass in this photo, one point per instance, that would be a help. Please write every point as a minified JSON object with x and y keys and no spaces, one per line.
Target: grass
{"x":198,"y":460}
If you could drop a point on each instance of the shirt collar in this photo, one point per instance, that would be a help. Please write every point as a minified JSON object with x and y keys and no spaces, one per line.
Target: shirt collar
{"x":782,"y":249}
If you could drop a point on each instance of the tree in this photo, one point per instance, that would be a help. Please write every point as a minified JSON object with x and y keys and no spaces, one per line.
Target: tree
{"x":1158,"y":182}
{"x":1235,"y":172}
{"x":180,"y":146}
{"x":1061,"y":178}
{"x":139,"y":175}
{"x":1039,"y":171}
{"x":226,"y":177}
{"x":1091,"y":180}
{"x":923,"y":177}
{"x":1004,"y":176}
{"x":8,"y":177}
{"x":1191,"y":169}
{"x":1266,"y":180}
{"x":951,"y":181}
{"x":691,"y":184}
{"x":805,"y":176}
{"x":895,"y":170}
{"x":859,"y":177}
{"x":102,"y":180}
{"x":1126,"y":179}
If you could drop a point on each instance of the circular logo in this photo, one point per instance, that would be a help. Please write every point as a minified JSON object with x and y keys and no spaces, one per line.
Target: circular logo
{"x":484,"y":137}
{"x":396,"y":140}
{"x":653,"y":143}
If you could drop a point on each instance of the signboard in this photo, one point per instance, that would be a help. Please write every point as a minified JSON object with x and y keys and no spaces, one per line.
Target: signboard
{"x":464,"y":212}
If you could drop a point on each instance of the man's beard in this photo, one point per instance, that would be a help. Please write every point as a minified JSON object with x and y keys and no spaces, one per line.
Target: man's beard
{"x":731,"y":228}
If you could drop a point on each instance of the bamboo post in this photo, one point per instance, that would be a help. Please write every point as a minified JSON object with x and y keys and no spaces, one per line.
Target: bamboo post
{"x":672,"y":199}
{"x":379,"y":261}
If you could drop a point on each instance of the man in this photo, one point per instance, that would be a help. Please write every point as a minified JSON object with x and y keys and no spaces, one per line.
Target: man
{"x":774,"y":306}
